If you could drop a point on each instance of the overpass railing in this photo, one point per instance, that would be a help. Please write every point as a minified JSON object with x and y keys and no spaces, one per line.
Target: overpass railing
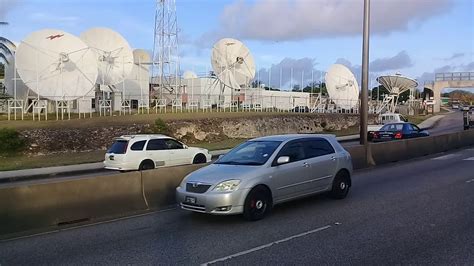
{"x":454,"y":76}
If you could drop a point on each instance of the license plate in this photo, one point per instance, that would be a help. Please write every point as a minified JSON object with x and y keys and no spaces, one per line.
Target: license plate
{"x":191,"y":200}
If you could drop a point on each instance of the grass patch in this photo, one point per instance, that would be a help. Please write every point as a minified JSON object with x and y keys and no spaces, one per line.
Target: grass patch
{"x":417,"y":119}
{"x":58,"y":159}
{"x":220,"y":145}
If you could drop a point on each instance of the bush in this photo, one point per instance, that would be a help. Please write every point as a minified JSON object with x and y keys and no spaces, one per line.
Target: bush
{"x":161,"y":127}
{"x":11,"y":141}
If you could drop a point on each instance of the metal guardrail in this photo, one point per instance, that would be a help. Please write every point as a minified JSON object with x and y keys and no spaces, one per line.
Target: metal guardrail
{"x":454,"y":76}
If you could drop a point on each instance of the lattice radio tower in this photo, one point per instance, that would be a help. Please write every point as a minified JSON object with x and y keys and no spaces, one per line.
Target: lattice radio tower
{"x":165,"y":71}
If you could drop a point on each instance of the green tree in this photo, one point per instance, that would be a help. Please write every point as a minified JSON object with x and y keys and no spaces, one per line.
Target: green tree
{"x":296,"y":88}
{"x":380,"y":91}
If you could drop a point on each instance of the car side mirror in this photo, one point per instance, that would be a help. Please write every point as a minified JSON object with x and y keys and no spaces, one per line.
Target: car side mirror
{"x":185,"y":146}
{"x":283,"y":160}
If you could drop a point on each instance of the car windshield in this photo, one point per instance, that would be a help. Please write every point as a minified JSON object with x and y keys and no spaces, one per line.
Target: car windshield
{"x":392,"y":127}
{"x":119,"y":147}
{"x":250,"y":153}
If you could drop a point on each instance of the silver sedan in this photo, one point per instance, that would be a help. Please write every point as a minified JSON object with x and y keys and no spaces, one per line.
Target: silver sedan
{"x":256,"y":175}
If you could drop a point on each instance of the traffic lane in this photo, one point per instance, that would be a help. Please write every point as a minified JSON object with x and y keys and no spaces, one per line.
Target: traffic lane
{"x":434,"y":227}
{"x":180,"y":237}
{"x":452,"y":122}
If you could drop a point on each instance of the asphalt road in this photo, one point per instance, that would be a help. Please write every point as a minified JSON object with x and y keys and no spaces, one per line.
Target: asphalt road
{"x":417,"y":212}
{"x":451,"y":123}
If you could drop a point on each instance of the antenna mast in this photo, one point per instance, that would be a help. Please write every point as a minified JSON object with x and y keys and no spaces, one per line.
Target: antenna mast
{"x":165,"y":71}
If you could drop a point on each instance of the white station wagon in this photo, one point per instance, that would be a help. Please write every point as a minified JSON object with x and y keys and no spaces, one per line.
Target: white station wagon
{"x":143,"y":152}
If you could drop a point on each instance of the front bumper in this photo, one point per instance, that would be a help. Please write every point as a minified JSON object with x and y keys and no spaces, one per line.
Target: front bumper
{"x":213,"y":202}
{"x":118,"y":166}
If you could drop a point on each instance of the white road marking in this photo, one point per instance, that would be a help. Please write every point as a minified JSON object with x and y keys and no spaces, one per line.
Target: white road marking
{"x":268,"y":245}
{"x":446,"y":157}
{"x":469,"y":181}
{"x":469,"y":159}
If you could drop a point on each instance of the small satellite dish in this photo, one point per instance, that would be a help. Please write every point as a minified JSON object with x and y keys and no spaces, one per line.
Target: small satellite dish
{"x":189,"y":75}
{"x":56,"y":65}
{"x":342,"y":86}
{"x":233,"y":63}
{"x":113,"y":54}
{"x":141,"y":56}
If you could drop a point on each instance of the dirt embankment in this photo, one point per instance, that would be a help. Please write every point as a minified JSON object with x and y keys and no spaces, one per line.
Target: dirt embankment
{"x":52,"y":140}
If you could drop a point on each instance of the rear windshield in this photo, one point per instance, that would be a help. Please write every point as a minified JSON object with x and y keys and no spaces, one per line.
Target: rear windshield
{"x":392,"y":127}
{"x":119,"y":147}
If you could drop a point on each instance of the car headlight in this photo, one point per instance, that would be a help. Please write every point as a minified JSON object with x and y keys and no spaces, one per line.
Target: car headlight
{"x":227,"y":186}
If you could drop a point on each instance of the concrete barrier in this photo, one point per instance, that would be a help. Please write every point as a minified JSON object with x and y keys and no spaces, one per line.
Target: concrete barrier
{"x":49,"y":203}
{"x":56,"y":202}
{"x":160,"y":184}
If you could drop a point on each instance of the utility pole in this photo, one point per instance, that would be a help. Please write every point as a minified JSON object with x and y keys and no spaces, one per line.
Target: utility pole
{"x":365,"y":78}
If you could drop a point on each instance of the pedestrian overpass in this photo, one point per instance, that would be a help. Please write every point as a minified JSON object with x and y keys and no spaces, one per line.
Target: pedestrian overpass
{"x":449,"y":80}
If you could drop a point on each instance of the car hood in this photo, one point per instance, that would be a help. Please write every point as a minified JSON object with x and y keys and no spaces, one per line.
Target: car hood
{"x":216,"y":173}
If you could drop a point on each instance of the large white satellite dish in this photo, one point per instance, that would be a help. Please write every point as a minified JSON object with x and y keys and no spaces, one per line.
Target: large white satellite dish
{"x":56,"y":65}
{"x":342,"y":86}
{"x":233,"y":63}
{"x":113,"y":54}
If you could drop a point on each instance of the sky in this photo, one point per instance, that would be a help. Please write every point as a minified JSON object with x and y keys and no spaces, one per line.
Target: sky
{"x":413,"y":37}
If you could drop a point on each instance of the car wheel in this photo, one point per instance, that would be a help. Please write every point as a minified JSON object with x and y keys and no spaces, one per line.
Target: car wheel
{"x":200,"y":158}
{"x":340,"y":185}
{"x":146,"y":165}
{"x":257,"y":204}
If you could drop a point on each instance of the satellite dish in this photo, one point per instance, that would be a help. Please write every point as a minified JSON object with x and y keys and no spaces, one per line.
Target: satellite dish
{"x":56,"y":65}
{"x":342,"y":86}
{"x":141,"y":56}
{"x":397,"y":84}
{"x":233,"y":63}
{"x":189,"y":75}
{"x":113,"y":54}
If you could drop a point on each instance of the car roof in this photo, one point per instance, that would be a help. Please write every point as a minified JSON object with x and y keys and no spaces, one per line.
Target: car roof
{"x":144,"y":136}
{"x":287,"y":137}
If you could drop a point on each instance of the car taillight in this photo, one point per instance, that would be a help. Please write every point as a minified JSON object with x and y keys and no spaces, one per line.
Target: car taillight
{"x":399,"y":135}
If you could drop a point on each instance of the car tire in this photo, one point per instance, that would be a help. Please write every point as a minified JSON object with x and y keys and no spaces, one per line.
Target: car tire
{"x":341,"y":185}
{"x":258,"y":204}
{"x":199,"y":158}
{"x":146,"y":165}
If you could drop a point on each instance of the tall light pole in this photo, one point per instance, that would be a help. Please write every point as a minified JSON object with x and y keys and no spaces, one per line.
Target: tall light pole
{"x":365,"y":80}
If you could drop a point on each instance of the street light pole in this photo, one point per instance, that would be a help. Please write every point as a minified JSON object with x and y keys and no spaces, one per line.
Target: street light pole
{"x":365,"y":78}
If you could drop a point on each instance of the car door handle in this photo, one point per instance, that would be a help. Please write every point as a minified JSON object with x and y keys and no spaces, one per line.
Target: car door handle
{"x":305,"y":164}
{"x":333,"y":158}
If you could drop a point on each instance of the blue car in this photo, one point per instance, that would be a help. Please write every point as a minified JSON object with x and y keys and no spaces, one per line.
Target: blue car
{"x":396,"y":131}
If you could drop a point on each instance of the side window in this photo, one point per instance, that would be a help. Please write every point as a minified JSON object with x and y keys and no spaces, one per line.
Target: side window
{"x":138,"y":146}
{"x":294,"y":150}
{"x":415,"y":128}
{"x":156,"y":145}
{"x":172,"y":144}
{"x":318,"y":147}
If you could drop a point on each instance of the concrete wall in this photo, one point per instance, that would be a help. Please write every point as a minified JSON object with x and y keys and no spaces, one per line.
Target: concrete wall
{"x":48,"y":204}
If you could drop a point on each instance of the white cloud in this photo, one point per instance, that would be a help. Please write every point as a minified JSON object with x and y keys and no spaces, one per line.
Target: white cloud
{"x":277,"y":20}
